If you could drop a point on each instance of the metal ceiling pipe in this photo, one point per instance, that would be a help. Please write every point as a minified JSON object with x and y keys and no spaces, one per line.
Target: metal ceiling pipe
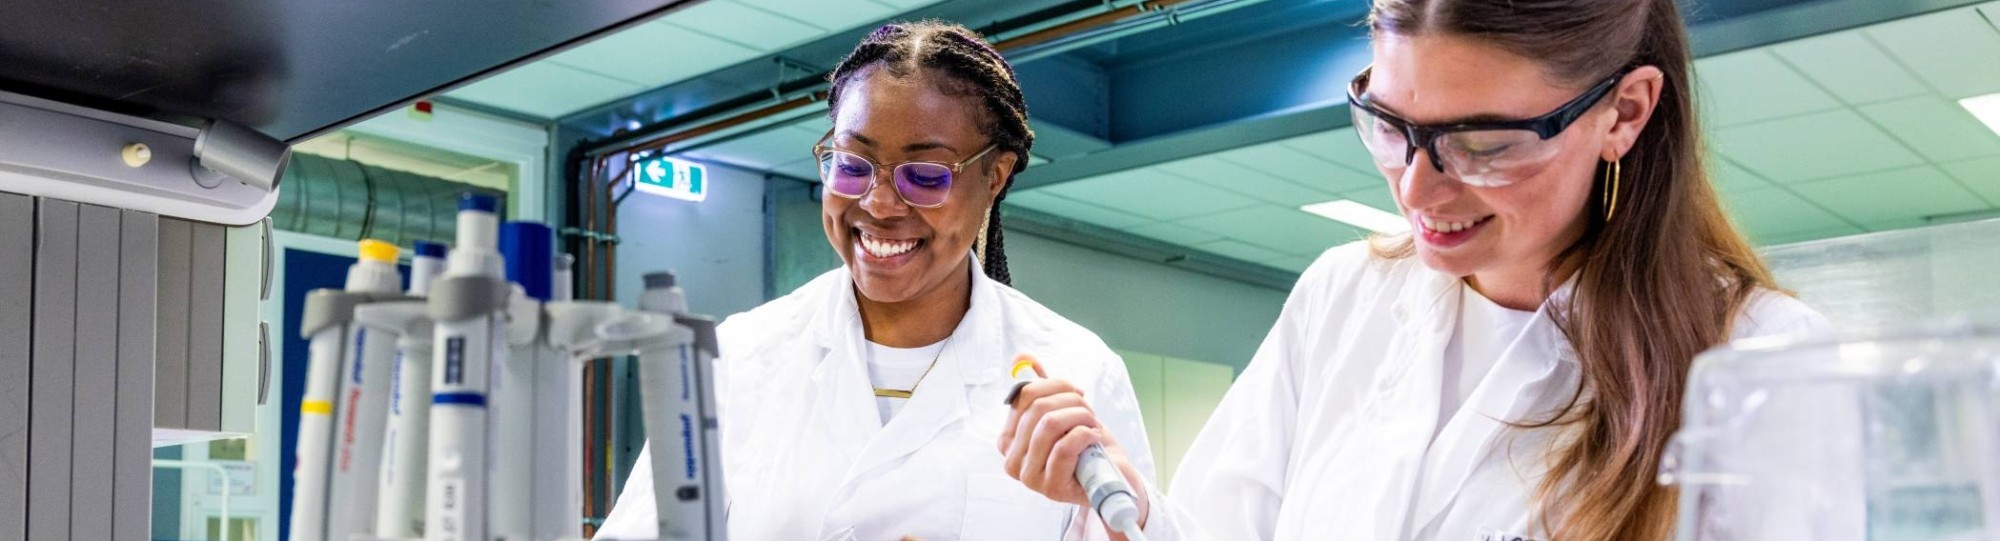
{"x":610,"y":241}
{"x":1064,"y":36}
{"x":574,"y":216}
{"x":581,"y":233}
{"x":1067,"y":29}
{"x":747,"y":117}
{"x":350,"y":200}
{"x":1162,"y":16}
{"x":813,"y":86}
{"x":633,"y":141}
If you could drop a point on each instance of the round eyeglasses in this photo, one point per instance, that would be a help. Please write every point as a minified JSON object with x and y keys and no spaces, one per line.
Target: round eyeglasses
{"x":920,"y":184}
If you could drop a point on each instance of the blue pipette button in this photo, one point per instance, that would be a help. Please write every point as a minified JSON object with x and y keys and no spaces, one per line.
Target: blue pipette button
{"x":426,"y":248}
{"x":478,"y":202}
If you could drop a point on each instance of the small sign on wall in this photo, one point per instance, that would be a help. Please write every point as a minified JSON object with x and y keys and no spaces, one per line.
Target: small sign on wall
{"x":669,"y":177}
{"x":242,"y":481}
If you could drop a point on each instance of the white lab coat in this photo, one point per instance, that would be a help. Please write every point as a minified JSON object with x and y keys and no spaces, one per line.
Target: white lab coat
{"x":807,"y":457}
{"x":1328,"y":433}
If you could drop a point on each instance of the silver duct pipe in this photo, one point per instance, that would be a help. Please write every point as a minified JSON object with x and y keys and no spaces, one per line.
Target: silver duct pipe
{"x":349,"y":200}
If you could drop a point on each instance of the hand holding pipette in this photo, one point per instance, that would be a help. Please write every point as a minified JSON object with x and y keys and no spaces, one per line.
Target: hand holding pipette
{"x":1055,"y":445}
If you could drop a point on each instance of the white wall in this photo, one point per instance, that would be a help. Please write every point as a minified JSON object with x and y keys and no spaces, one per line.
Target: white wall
{"x":1145,"y":306}
{"x":1183,"y":335}
{"x":1176,"y":397}
{"x":716,"y":246}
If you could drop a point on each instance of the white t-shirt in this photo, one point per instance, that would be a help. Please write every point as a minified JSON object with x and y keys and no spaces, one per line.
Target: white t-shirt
{"x":1485,"y":330}
{"x":899,"y":369}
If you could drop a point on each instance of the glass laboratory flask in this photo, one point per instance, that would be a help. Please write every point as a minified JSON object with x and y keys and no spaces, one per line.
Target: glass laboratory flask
{"x":1895,"y":437}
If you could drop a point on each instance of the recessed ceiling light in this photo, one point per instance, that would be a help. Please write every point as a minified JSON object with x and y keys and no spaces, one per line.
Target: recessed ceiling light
{"x":1986,"y":108}
{"x":1359,"y":215}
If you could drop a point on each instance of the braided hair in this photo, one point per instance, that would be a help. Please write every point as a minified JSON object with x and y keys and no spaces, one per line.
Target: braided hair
{"x":967,"y":67}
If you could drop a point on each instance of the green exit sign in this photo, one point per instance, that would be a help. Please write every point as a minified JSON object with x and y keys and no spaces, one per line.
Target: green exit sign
{"x":669,"y":177}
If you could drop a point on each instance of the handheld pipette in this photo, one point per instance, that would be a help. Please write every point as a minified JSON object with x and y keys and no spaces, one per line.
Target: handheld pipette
{"x":319,"y":503}
{"x":1110,"y":496}
{"x":679,"y":397}
{"x":400,"y":507}
{"x":362,"y":408}
{"x":468,"y":305}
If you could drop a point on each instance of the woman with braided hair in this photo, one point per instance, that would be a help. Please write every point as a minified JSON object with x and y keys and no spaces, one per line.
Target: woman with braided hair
{"x":866,"y":404}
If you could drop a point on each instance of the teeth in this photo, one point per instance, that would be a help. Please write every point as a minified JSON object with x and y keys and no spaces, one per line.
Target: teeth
{"x":885,"y":248}
{"x":1446,"y":227}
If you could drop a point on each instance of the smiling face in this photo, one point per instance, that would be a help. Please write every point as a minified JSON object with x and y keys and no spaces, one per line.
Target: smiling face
{"x":1466,"y":230}
{"x":898,"y":252}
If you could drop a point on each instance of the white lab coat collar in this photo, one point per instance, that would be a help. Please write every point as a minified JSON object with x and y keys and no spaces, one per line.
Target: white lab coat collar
{"x":1529,"y":381}
{"x":837,"y":325}
{"x":941,"y":400}
{"x":1431,"y":292}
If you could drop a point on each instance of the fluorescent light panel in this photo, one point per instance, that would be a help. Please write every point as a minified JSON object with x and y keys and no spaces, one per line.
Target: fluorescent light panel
{"x":1359,"y":215}
{"x":1986,"y":108}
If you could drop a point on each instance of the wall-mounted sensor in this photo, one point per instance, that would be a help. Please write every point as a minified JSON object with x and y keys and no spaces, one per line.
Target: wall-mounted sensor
{"x":97,"y":157}
{"x":137,"y":154}
{"x":241,"y":153}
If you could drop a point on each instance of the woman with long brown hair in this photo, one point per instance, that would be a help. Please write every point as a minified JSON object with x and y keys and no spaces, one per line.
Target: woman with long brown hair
{"x":1513,"y":368}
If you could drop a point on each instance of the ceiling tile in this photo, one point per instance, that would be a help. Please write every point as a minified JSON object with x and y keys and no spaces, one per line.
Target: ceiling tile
{"x":906,"y":5}
{"x":1896,"y":225}
{"x":1944,"y":49}
{"x":806,"y":169}
{"x":545,"y":89}
{"x":1815,"y":146}
{"x":1151,"y":193}
{"x":835,"y":15}
{"x":1215,"y":172}
{"x":1286,"y":230}
{"x":1239,"y":250}
{"x":1294,"y":264}
{"x":655,"y":54}
{"x":1806,"y":236}
{"x":1770,"y":212}
{"x":1902,"y":195}
{"x":1378,"y":197}
{"x":1852,"y":67}
{"x":1940,"y":130}
{"x":763,"y":150}
{"x":1749,"y":86}
{"x":1294,"y":165}
{"x":818,"y":124}
{"x":1338,"y":145}
{"x":1175,"y":234}
{"x":744,"y":25}
{"x":1729,"y":178}
{"x":1981,"y":175}
{"x":1050,"y":203}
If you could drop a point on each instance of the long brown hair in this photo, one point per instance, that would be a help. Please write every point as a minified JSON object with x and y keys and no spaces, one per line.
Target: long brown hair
{"x":1655,"y":285}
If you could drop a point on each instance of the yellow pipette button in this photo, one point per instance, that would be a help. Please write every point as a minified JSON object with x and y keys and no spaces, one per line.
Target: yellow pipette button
{"x":1023,"y":362}
{"x":375,"y":250}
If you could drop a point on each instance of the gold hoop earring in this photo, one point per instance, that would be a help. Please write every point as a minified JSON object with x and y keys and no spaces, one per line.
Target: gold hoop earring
{"x":1611,"y":193}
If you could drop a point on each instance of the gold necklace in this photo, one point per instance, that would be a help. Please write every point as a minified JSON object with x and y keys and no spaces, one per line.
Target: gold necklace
{"x":905,"y":394}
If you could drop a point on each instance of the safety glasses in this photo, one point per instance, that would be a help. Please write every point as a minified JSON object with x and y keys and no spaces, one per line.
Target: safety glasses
{"x":920,"y":184}
{"x":1484,"y":154}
